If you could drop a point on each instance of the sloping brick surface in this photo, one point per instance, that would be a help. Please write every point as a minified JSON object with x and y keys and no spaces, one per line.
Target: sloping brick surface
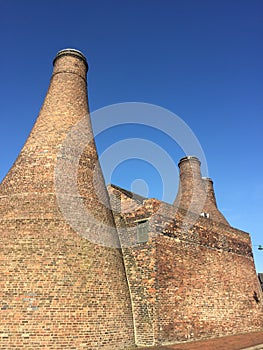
{"x":236,"y":342}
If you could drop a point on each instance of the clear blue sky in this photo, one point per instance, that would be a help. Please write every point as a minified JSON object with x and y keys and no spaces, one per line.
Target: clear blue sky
{"x":202,"y":60}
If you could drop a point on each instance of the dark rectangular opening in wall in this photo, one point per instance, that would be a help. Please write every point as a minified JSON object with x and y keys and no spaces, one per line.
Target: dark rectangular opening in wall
{"x":142,"y":231}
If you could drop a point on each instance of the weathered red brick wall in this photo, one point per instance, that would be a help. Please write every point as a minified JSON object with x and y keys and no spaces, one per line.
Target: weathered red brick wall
{"x":59,"y":289}
{"x":197,"y":276}
{"x":207,"y":283}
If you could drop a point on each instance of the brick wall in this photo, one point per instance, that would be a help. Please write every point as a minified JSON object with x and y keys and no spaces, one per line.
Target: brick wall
{"x":194,"y":278}
{"x":207,"y":284}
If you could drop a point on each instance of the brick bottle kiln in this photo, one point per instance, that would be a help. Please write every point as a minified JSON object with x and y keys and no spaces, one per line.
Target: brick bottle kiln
{"x":183,"y":272}
{"x":58,"y":290}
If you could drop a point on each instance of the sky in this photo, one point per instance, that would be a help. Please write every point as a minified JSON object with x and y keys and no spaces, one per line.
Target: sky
{"x":196,"y":62}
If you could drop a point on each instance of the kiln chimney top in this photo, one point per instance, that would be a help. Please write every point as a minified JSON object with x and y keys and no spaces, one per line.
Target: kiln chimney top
{"x":189,"y":158}
{"x":71,"y":52}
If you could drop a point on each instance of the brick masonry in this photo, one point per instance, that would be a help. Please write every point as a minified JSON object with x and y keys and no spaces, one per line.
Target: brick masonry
{"x":193,"y":276}
{"x":65,"y":283}
{"x":59,"y":290}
